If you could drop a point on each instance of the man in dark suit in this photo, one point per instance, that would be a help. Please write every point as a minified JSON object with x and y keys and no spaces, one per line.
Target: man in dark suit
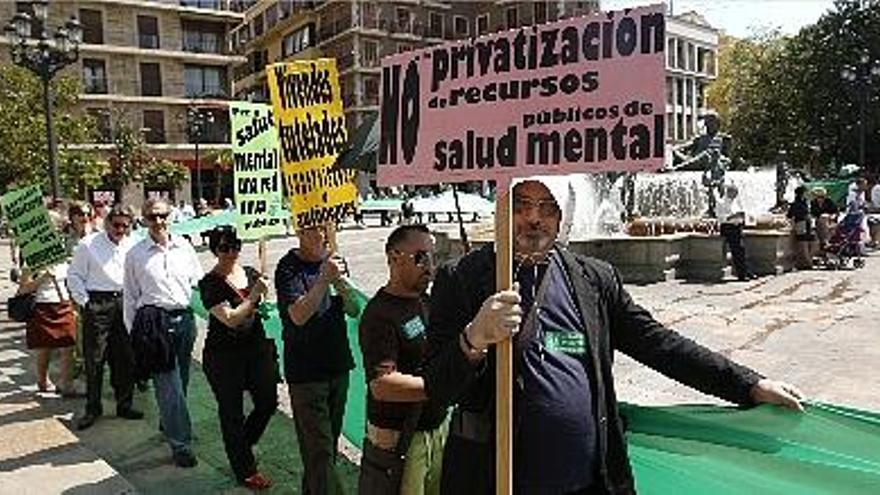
{"x":567,"y":315}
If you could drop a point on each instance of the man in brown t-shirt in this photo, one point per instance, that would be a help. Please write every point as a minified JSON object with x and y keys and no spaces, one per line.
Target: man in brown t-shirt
{"x":392,"y":338}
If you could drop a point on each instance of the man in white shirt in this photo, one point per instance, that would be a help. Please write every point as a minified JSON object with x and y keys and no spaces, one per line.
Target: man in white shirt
{"x":161,"y":271}
{"x":95,"y":281}
{"x":732,"y":218}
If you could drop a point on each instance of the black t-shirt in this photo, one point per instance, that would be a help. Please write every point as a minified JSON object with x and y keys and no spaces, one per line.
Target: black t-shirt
{"x":393,"y":329}
{"x":318,"y":350}
{"x":216,"y":290}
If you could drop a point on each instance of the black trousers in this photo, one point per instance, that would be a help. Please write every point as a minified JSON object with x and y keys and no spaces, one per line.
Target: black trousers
{"x":105,"y":340}
{"x":733,"y":236}
{"x":231,"y":373}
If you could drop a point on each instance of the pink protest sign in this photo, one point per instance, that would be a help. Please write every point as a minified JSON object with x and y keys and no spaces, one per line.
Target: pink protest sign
{"x":576,"y":96}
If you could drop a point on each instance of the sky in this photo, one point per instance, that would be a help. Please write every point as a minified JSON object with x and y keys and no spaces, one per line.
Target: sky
{"x":738,"y":17}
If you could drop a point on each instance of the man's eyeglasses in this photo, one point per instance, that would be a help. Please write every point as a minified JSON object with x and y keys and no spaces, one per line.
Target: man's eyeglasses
{"x":154,"y":216}
{"x":420,"y":258}
{"x":121,"y":225}
{"x":229,"y":247}
{"x":546,"y":207}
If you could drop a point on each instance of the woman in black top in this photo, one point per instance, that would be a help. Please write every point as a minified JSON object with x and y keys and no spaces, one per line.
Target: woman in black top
{"x":802,"y":228}
{"x":238,"y":357}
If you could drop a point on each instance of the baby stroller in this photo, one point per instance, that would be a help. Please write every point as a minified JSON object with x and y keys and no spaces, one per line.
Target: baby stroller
{"x":845,"y":246}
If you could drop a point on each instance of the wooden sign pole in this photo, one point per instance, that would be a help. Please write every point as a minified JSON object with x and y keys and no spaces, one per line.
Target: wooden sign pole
{"x":503,"y":350}
{"x":261,"y":255}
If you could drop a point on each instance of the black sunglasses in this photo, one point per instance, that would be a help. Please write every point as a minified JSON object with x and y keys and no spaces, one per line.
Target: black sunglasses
{"x":420,"y":258}
{"x":121,"y":225}
{"x":154,"y":216}
{"x":228,"y":247}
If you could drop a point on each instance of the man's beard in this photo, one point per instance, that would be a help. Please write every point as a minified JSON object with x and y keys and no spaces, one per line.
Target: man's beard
{"x":532,"y":244}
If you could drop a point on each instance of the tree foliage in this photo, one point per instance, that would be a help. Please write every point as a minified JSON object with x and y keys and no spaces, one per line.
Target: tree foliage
{"x":24,"y":156}
{"x":165,"y":174}
{"x":786,"y":93}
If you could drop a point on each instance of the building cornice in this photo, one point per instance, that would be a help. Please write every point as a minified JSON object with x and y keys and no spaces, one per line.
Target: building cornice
{"x":227,"y":15}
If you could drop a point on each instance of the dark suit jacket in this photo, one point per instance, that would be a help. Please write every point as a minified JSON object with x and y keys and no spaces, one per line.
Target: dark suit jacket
{"x":612,"y":322}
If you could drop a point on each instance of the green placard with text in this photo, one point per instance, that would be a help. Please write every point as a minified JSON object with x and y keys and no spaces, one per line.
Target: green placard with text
{"x":41,"y":243}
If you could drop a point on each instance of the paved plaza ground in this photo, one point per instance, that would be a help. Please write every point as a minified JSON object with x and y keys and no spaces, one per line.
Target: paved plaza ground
{"x":816,"y":329}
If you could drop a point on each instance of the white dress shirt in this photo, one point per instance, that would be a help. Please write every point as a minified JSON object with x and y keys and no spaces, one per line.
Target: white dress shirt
{"x":159,"y":276}
{"x":98,"y":265}
{"x":727,"y":208}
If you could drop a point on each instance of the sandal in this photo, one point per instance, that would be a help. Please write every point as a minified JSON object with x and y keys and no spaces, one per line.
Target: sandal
{"x":257,"y":481}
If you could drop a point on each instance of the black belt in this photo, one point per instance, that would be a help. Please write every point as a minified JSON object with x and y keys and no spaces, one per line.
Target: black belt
{"x":473,"y":426}
{"x":97,"y":295}
{"x":178,"y":312}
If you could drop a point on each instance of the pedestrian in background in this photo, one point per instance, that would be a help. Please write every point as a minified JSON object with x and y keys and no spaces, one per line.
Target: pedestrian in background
{"x":160,"y":273}
{"x":95,"y":279}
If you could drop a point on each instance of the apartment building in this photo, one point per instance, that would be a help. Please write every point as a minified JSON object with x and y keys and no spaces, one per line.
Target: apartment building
{"x":358,"y":33}
{"x":691,"y":55}
{"x":148,"y":62}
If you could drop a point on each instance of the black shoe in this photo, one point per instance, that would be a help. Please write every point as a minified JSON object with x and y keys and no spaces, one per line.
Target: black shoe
{"x":185,"y":460}
{"x":86,"y":421}
{"x":129,"y":413}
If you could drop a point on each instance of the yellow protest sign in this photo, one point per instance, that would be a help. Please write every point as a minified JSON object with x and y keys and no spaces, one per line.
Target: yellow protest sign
{"x":307,"y":104}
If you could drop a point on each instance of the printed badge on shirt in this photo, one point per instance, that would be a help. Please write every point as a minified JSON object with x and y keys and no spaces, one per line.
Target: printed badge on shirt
{"x":566,"y":342}
{"x":413,"y":328}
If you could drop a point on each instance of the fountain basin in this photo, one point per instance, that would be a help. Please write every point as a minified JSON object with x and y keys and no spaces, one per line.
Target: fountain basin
{"x":692,"y":256}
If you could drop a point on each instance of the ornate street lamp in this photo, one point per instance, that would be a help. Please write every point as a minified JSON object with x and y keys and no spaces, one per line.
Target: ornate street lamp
{"x":198,"y":120}
{"x":44,"y":57}
{"x":862,"y":75}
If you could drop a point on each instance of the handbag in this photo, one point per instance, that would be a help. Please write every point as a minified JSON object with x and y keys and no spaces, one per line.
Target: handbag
{"x":21,"y":307}
{"x":382,"y":470}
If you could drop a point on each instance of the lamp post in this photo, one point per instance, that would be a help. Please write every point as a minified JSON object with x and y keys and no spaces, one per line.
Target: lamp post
{"x":197,"y":121}
{"x":45,"y":58}
{"x":862,"y":74}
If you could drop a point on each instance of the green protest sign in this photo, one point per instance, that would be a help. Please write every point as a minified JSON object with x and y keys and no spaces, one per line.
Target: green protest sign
{"x":41,"y":244}
{"x":261,"y":212}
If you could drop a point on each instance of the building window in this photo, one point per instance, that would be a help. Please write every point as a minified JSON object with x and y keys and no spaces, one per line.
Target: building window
{"x":92,"y":26}
{"x":435,"y":25}
{"x":154,"y":125}
{"x":679,"y":55}
{"x":298,"y":41}
{"x":404,"y":20}
{"x":404,"y":47}
{"x":369,"y":53}
{"x":679,"y":91}
{"x":670,"y":126}
{"x":482,"y":24}
{"x":679,"y":126}
{"x":709,"y":63}
{"x":461,"y":26}
{"x":101,"y":117}
{"x":670,"y":91}
{"x":204,"y":81}
{"x":28,"y":8}
{"x":271,"y":16}
{"x":151,"y":79}
{"x":689,"y":93}
{"x":512,"y":18}
{"x":670,"y":53}
{"x":202,"y":37}
{"x":258,"y":25}
{"x":701,"y":95}
{"x":148,"y":31}
{"x":94,"y":76}
{"x":201,"y":4}
{"x":371,"y":91}
{"x":540,"y":12}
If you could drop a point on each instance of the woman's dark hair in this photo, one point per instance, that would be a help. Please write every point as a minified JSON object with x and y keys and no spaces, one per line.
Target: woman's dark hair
{"x":800,"y":191}
{"x":220,"y":235}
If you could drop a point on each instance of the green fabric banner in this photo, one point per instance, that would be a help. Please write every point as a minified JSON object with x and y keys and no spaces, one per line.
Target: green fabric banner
{"x":41,"y":243}
{"x":261,"y":212}
{"x":684,"y":450}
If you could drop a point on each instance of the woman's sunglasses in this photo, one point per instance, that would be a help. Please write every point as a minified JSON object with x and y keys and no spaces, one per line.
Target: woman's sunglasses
{"x":229,"y":247}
